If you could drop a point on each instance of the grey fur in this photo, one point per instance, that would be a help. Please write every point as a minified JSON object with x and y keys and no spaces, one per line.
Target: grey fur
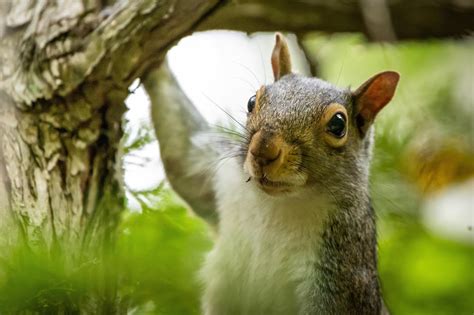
{"x":347,"y":280}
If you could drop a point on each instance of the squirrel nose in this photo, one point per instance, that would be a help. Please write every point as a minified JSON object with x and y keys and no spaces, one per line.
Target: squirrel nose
{"x":265,"y":148}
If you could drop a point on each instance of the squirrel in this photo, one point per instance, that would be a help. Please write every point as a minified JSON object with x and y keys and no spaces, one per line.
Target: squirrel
{"x":296,"y":229}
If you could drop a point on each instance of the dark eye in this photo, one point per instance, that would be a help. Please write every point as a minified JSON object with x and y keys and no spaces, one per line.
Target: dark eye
{"x":251,"y":104}
{"x":337,"y":125}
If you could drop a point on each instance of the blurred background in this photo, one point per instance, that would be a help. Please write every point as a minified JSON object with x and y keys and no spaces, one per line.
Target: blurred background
{"x":422,"y":179}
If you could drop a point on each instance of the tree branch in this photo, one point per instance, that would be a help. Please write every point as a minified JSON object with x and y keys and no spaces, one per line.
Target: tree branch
{"x":63,"y":49}
{"x":176,"y":123}
{"x":310,"y":58}
{"x":420,"y":19}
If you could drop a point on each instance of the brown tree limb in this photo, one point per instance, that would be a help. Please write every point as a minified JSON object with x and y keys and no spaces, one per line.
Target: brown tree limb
{"x":62,"y":47}
{"x":176,"y":123}
{"x":421,"y":19}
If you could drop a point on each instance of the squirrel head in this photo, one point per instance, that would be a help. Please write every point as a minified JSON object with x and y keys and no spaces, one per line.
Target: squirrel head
{"x":305,"y":133}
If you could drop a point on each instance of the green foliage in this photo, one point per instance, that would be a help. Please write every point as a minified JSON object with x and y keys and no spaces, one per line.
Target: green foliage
{"x":37,"y":281}
{"x":424,"y":274}
{"x":155,"y":264}
{"x":161,"y":251}
{"x":134,"y":142}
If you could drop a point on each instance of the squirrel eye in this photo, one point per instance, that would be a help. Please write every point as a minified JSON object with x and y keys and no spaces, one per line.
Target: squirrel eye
{"x":251,"y":104}
{"x":337,"y":125}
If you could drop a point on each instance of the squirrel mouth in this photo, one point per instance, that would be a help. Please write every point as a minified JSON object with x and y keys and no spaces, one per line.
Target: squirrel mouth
{"x":266,"y":182}
{"x":272,"y":187}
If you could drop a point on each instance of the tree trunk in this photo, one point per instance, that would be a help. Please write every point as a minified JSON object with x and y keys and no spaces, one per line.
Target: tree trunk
{"x":64,"y":76}
{"x":62,"y":170}
{"x":64,"y":71}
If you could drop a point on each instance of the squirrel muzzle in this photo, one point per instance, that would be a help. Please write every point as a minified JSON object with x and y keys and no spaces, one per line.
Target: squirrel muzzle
{"x":267,"y":154}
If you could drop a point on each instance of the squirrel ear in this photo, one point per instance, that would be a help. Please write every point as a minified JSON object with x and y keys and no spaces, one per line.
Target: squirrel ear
{"x":372,"y":96}
{"x":281,"y":62}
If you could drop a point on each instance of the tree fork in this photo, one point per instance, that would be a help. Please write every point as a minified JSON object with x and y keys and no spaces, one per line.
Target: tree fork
{"x":65,"y":73}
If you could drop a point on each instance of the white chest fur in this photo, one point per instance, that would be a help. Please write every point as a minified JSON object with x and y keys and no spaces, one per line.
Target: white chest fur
{"x":264,"y":260}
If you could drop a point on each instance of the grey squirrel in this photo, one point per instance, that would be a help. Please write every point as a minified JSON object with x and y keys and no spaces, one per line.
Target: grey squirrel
{"x":296,"y":230}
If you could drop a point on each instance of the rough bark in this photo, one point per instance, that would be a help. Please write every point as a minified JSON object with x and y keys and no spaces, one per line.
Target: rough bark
{"x":65,"y":71}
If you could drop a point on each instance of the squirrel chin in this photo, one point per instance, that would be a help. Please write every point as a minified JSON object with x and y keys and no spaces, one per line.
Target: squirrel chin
{"x":275,"y":191}
{"x":273,"y":188}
